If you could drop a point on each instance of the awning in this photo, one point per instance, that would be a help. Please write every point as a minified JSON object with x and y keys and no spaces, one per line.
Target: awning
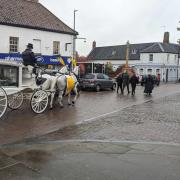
{"x":42,"y":60}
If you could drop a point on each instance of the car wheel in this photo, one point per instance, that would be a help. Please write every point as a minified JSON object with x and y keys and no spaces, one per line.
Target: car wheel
{"x":98,"y":88}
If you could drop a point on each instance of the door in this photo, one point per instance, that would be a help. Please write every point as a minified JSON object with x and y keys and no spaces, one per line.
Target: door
{"x":37,"y":46}
{"x":101,"y":80}
{"x":108,"y":81}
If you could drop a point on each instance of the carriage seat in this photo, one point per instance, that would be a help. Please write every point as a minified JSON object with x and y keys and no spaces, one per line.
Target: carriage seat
{"x":27,"y":72}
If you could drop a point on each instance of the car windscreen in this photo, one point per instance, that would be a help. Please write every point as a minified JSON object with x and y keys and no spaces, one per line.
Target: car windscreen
{"x":89,"y":76}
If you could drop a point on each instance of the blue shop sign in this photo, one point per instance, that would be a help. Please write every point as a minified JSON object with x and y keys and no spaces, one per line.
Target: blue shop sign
{"x":43,"y":60}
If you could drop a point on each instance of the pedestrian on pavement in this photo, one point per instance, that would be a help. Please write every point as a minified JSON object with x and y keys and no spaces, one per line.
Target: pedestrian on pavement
{"x":119,"y":83}
{"x":149,"y":85}
{"x":125,"y":78}
{"x":134,"y":81}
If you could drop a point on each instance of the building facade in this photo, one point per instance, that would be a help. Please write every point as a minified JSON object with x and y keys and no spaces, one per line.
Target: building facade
{"x":28,"y":21}
{"x":146,"y":58}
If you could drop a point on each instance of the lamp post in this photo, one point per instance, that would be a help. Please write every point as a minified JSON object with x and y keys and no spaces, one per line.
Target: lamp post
{"x":127,"y":54}
{"x":74,"y":38}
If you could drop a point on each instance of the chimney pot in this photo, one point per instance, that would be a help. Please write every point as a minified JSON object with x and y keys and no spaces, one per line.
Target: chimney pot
{"x":94,"y":45}
{"x":166,"y":37}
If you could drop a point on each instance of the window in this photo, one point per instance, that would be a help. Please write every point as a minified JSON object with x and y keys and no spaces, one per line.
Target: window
{"x":141,"y":71}
{"x":8,"y":76}
{"x":89,"y":76}
{"x":56,"y":47}
{"x":134,"y":51}
{"x":151,"y":57}
{"x":106,"y":77}
{"x":100,"y":76}
{"x":13,"y":44}
{"x":149,"y":71}
{"x":66,"y":46}
{"x":157,"y":71}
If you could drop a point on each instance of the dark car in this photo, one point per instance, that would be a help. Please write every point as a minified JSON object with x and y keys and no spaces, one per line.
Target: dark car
{"x":156,"y":80}
{"x":97,"y":81}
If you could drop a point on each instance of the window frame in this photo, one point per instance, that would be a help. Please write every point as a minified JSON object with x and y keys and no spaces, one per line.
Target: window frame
{"x":13,"y":44}
{"x":151,"y":57}
{"x":56,"y":47}
{"x":3,"y":67}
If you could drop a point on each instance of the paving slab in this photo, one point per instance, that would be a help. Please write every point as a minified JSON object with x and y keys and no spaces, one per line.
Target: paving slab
{"x":95,"y":161}
{"x":20,"y":172}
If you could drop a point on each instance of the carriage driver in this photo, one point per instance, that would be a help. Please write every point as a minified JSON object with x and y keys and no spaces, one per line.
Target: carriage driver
{"x":29,"y":59}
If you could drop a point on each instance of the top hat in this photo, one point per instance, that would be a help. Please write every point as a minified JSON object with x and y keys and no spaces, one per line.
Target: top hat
{"x":30,"y":45}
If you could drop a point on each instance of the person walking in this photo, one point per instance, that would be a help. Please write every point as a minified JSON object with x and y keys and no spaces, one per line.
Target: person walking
{"x":119,"y":83}
{"x":149,"y":85}
{"x":134,"y":81}
{"x":125,"y":78}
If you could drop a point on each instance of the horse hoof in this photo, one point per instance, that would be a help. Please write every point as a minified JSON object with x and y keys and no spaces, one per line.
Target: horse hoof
{"x":73,"y":102}
{"x":69,"y":104}
{"x":51,"y":108}
{"x":61,"y":107}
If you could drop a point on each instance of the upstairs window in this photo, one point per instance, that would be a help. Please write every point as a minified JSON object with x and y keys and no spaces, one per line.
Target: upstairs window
{"x":56,"y":47}
{"x":134,"y":51}
{"x":151,"y":57}
{"x":13,"y":44}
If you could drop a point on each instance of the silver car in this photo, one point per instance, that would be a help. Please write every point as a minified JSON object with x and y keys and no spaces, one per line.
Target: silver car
{"x":97,"y":81}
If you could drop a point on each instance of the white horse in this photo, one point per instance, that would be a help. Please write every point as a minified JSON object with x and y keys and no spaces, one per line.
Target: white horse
{"x":66,"y":84}
{"x":47,"y":83}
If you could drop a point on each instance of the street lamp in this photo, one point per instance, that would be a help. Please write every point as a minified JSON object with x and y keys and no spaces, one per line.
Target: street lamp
{"x":74,"y":38}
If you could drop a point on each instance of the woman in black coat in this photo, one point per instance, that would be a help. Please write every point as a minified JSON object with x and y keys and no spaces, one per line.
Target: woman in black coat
{"x":149,"y":85}
{"x":134,"y":81}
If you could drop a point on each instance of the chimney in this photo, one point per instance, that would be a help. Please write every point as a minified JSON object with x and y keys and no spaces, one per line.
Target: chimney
{"x":94,"y":45}
{"x":166,"y":37}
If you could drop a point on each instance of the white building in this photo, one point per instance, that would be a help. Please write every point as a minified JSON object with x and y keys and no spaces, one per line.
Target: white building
{"x":155,"y":58}
{"x":28,"y":21}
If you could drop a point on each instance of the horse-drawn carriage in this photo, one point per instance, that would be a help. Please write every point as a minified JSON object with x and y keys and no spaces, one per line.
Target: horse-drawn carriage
{"x":17,"y":82}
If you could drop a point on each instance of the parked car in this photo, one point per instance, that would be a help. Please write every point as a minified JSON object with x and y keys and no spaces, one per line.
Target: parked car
{"x":143,"y":78}
{"x":97,"y":81}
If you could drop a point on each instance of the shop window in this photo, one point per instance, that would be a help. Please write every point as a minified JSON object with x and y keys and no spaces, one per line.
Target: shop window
{"x":149,"y":71}
{"x":8,"y":76}
{"x":13,"y":44}
{"x":157,"y":71}
{"x":151,"y":57}
{"x":56,"y":47}
{"x":141,"y":71}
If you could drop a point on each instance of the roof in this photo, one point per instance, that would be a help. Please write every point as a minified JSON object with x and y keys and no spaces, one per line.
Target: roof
{"x":29,"y":14}
{"x":119,"y":52}
{"x":162,"y":48}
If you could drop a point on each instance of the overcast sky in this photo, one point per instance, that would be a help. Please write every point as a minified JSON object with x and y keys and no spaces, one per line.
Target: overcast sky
{"x":113,"y":22}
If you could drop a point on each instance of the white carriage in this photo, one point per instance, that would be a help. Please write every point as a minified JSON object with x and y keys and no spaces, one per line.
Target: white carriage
{"x":18,"y":83}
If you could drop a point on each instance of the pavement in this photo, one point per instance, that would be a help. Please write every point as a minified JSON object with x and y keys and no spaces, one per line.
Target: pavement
{"x":82,"y":160}
{"x":90,"y":106}
{"x":116,"y":137}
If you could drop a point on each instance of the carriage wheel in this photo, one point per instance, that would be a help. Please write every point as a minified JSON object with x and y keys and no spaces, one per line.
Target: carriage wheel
{"x":39,"y":101}
{"x":15,"y":100}
{"x":3,"y":102}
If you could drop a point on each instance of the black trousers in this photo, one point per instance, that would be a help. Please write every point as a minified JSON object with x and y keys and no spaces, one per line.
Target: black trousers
{"x":120,"y":86}
{"x":133,"y":86}
{"x":124,"y":85}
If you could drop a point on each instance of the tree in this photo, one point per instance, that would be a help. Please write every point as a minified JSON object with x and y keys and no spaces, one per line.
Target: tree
{"x":108,"y":68}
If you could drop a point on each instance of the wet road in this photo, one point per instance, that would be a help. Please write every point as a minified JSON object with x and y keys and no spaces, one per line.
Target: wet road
{"x":91,"y":106}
